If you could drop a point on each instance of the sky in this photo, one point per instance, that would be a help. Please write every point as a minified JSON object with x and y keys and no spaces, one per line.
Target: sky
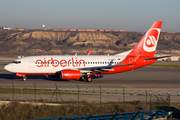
{"x":131,"y":15}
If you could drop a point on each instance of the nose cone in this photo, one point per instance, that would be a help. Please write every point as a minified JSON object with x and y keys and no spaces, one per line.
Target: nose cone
{"x":8,"y":67}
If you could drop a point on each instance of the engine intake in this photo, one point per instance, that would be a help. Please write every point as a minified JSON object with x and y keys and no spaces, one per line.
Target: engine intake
{"x":70,"y":74}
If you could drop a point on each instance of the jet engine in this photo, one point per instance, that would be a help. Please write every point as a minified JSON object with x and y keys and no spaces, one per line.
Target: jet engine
{"x":70,"y":74}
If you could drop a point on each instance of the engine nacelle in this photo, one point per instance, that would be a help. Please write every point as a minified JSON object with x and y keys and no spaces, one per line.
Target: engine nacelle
{"x":70,"y":74}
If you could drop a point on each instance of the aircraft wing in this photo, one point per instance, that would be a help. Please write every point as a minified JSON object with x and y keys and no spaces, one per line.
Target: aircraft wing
{"x":108,"y":67}
{"x":99,"y":68}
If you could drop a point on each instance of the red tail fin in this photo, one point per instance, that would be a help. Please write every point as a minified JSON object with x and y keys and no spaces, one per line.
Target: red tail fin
{"x":147,"y":45}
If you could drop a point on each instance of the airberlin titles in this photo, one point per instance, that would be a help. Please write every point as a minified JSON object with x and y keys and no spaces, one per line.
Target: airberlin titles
{"x":74,"y":62}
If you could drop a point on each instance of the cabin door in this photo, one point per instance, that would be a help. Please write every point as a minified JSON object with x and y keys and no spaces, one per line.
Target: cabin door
{"x":30,"y":63}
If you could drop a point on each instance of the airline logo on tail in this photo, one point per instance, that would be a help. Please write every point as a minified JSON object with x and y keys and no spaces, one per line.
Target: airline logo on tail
{"x":151,"y":40}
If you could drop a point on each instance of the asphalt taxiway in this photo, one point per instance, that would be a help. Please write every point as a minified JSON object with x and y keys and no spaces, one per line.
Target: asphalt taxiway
{"x":147,"y":77}
{"x":142,"y":80}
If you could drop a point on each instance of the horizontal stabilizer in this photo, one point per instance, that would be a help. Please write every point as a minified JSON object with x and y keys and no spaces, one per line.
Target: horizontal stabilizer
{"x":155,"y":58}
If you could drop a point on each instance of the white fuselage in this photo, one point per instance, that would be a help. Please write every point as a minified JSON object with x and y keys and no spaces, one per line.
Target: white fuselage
{"x":55,"y":63}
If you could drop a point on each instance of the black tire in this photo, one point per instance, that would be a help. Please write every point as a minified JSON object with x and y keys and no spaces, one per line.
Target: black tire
{"x":82,"y":78}
{"x":24,"y":79}
{"x":88,"y":79}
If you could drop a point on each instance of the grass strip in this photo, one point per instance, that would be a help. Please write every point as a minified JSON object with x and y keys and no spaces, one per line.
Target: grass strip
{"x":17,"y":111}
{"x":38,"y":91}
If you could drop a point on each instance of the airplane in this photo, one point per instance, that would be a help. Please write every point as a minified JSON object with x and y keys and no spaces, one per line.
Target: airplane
{"x":84,"y":67}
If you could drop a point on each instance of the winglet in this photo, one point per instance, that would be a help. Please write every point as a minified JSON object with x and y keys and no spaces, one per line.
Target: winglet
{"x":89,"y":53}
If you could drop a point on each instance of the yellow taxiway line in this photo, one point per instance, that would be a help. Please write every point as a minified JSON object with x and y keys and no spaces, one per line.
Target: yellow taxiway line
{"x":127,"y":86}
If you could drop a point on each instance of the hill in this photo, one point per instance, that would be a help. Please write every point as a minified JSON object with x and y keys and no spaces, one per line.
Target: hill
{"x":51,"y":42}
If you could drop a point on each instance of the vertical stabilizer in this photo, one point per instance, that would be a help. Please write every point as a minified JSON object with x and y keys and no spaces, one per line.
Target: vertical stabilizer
{"x":147,"y":45}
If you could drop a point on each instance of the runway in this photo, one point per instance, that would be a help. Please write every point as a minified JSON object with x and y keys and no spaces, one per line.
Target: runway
{"x":144,"y":78}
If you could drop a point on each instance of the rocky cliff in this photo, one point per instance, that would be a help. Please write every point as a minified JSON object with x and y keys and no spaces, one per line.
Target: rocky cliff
{"x":50,"y":42}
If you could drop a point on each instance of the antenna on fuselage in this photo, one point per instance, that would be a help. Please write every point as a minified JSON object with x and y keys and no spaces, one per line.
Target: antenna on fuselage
{"x":75,"y":54}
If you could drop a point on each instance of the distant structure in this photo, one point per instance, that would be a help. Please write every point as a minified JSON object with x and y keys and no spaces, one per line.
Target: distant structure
{"x":90,"y":30}
{"x":170,"y":58}
{"x":7,"y":28}
{"x":43,"y":26}
{"x":18,"y":29}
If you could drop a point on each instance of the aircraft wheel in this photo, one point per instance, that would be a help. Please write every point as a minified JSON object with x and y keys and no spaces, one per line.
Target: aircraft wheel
{"x":82,"y":78}
{"x":24,"y":78}
{"x":88,"y":79}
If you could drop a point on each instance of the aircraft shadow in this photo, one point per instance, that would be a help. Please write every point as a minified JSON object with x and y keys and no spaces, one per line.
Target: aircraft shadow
{"x":14,"y":77}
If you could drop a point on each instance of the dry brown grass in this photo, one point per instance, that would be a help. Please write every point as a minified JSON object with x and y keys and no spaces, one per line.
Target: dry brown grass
{"x":17,"y":111}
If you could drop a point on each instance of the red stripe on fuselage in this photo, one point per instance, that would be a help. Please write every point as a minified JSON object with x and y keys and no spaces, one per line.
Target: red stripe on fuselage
{"x":140,"y":63}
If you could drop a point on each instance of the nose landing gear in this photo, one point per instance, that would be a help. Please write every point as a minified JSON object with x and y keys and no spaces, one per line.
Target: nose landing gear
{"x":24,"y":78}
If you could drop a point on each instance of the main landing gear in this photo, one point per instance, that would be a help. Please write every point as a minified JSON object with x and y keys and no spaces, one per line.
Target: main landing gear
{"x":24,"y":78}
{"x":86,"y":78}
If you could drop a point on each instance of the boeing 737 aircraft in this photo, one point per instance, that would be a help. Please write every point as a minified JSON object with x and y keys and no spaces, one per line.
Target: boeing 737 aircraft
{"x":84,"y":67}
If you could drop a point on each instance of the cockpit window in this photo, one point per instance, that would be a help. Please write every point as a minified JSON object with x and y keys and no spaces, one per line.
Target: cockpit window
{"x":17,"y":62}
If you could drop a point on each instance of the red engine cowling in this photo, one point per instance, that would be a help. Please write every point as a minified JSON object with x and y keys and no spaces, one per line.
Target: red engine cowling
{"x":70,"y":74}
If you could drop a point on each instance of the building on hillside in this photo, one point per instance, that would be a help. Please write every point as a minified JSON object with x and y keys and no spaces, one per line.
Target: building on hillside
{"x":7,"y":28}
{"x":72,"y":29}
{"x":122,"y":30}
{"x":18,"y":29}
{"x":57,"y":29}
{"x":107,"y":30}
{"x":91,"y":30}
{"x":102,"y":30}
{"x":81,"y":29}
{"x":65,"y":29}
